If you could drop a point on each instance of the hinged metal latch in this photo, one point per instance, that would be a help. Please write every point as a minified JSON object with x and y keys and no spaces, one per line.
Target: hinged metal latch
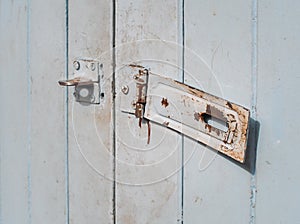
{"x":86,"y":79}
{"x":216,"y":122}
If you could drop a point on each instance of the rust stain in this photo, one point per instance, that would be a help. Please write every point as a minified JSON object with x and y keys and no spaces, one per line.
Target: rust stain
{"x":198,"y":116}
{"x":237,"y":122}
{"x":141,"y":98}
{"x":191,"y":89}
{"x":149,"y":131}
{"x":231,"y":118}
{"x":164,"y":102}
{"x":216,"y":130}
{"x":135,"y":66}
{"x":140,"y":122}
{"x":229,"y":105}
{"x":208,"y":127}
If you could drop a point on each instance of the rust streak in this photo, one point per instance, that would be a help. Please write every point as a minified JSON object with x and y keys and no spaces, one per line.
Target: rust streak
{"x":198,"y":116}
{"x":216,"y":130}
{"x":141,"y":98}
{"x":236,"y":135}
{"x":229,"y":105}
{"x":208,"y":127}
{"x":164,"y":102}
{"x":140,"y":122}
{"x":149,"y":131}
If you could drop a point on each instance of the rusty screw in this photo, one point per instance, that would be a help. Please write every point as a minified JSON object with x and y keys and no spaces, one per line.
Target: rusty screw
{"x":76,"y":65}
{"x":125,"y":89}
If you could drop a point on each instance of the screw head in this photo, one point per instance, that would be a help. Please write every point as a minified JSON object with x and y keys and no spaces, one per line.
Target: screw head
{"x":92,"y":66}
{"x":76,"y":65}
{"x":125,"y":89}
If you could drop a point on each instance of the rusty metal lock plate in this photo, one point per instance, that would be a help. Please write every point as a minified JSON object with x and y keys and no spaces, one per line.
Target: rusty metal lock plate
{"x":218,"y":123}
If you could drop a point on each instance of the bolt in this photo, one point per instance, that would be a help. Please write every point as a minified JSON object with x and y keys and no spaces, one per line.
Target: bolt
{"x":76,"y":65}
{"x":125,"y":89}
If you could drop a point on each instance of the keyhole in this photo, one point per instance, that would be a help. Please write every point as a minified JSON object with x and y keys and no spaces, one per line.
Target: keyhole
{"x":215,"y":122}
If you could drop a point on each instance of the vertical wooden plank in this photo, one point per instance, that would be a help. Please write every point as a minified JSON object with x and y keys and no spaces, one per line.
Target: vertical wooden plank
{"x":278,"y":177}
{"x":216,"y":190}
{"x":90,"y":127}
{"x":13,"y":112}
{"x":148,"y":181}
{"x":47,"y":155}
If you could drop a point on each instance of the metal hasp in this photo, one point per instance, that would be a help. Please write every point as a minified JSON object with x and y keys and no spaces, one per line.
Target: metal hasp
{"x":213,"y":121}
{"x":86,"y":79}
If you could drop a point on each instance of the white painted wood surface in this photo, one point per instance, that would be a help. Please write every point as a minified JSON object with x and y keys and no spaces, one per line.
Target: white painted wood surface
{"x":278,"y":176}
{"x":14,"y":113}
{"x":217,"y":190}
{"x":148,"y":175}
{"x":57,"y":159}
{"x":90,"y":127}
{"x":32,"y":142}
{"x":47,"y":122}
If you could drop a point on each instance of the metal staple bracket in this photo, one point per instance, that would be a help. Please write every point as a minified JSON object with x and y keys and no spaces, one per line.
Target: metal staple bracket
{"x":86,"y":80}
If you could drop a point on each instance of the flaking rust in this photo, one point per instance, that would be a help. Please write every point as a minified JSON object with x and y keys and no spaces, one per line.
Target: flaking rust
{"x":209,"y":119}
{"x":141,"y":94}
{"x":235,"y":138}
{"x":164,"y":102}
{"x":217,"y":123}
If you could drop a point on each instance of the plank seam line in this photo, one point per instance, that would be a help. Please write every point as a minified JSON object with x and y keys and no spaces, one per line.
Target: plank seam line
{"x":254,"y":74}
{"x":182,"y":138}
{"x":67,"y":205}
{"x":114,"y":107}
{"x":28,"y":76}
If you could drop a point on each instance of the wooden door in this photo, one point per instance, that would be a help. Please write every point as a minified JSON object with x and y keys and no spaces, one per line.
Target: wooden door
{"x":66,"y":162}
